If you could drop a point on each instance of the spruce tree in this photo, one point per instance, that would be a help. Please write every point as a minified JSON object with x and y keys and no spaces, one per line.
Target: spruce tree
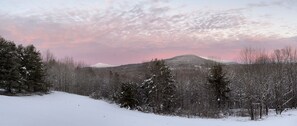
{"x":9,"y":66}
{"x":219,"y":85}
{"x":160,"y":88}
{"x":22,"y":69}
{"x":128,"y":96}
{"x":33,"y":70}
{"x":168,"y":91}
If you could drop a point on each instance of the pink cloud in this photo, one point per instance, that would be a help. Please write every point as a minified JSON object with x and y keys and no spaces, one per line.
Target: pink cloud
{"x":136,"y":34}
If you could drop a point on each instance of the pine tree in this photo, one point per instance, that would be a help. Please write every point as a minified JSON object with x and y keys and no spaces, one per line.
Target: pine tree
{"x":128,"y":96}
{"x":160,"y":88}
{"x":148,"y":92}
{"x":219,"y":85}
{"x":22,"y":69}
{"x":9,"y":66}
{"x":33,"y":70}
{"x":168,"y":90}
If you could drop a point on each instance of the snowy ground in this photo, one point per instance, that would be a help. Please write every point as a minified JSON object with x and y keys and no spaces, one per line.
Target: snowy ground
{"x":62,"y":109}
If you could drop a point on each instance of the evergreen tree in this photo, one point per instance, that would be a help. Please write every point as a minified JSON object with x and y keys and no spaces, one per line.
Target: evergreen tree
{"x":168,"y":89}
{"x":219,"y":85}
{"x":147,"y":92}
{"x":9,"y":66}
{"x":22,"y":69}
{"x":160,"y":88}
{"x":128,"y":96}
{"x":33,"y":70}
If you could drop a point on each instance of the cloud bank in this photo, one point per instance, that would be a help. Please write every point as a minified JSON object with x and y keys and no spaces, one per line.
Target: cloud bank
{"x":121,"y":33}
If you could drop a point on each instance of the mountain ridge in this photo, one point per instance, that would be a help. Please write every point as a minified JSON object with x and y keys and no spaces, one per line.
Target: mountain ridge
{"x":188,"y":60}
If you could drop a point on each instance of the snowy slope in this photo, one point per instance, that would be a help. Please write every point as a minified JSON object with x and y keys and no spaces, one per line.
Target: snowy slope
{"x":62,"y":109}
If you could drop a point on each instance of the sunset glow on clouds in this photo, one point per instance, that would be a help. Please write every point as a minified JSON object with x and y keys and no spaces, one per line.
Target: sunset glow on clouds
{"x":121,"y":32}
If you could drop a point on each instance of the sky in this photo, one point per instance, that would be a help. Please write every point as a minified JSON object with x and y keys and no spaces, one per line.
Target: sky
{"x":125,"y":31}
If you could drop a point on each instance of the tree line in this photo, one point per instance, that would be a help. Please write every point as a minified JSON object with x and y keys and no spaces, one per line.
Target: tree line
{"x":262,"y":81}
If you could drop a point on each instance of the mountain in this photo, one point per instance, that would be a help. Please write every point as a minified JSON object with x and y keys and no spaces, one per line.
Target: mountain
{"x":178,"y":62}
{"x":187,"y":61}
{"x":102,"y":65}
{"x":175,"y":62}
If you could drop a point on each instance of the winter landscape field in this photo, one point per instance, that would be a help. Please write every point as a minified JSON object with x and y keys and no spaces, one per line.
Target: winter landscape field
{"x":63,"y":109}
{"x":148,"y":63}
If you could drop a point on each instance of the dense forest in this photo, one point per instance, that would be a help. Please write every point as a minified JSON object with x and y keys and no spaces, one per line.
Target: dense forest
{"x":260,"y":82}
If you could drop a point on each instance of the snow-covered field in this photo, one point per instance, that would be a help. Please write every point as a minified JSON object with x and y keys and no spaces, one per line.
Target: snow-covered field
{"x":62,"y":109}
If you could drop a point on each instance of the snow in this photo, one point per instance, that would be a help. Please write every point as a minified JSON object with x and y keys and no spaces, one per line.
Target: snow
{"x":102,"y":65}
{"x":63,"y":109}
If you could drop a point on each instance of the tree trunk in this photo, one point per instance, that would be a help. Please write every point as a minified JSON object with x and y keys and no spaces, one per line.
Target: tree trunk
{"x":252,"y":112}
{"x":261,"y":111}
{"x":267,"y":110}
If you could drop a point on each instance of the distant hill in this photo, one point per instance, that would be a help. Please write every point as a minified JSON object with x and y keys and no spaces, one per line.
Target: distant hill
{"x":175,"y":62}
{"x":187,"y":61}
